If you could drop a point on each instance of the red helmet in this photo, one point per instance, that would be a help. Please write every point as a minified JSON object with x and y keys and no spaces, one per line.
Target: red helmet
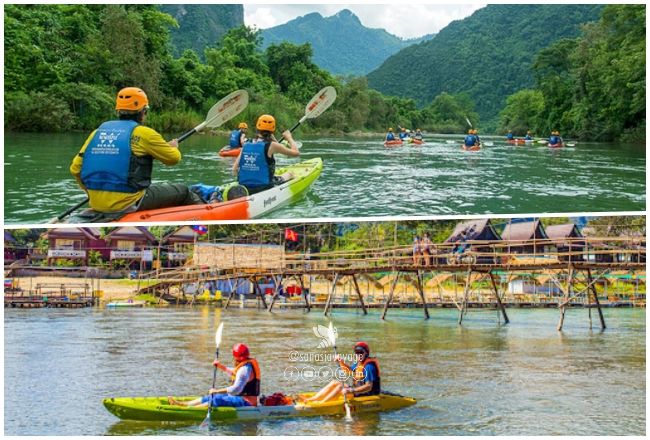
{"x":240,"y":351}
{"x":363,"y":345}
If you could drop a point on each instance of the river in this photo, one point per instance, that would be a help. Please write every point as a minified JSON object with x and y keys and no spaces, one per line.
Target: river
{"x":362,"y":178}
{"x":481,"y":378}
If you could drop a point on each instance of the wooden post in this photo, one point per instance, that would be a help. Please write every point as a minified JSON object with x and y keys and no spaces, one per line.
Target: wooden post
{"x":567,"y":295}
{"x":420,"y":286}
{"x":229,"y":296}
{"x":331,"y":294}
{"x":496,"y":294}
{"x":356,"y":287}
{"x":304,"y":293}
{"x":463,"y":308}
{"x":259,"y":292}
{"x":593,"y":289}
{"x":278,"y":286}
{"x":390,"y":295}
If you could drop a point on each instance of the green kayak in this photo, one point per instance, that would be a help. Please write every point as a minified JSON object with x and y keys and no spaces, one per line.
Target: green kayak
{"x":158,"y":408}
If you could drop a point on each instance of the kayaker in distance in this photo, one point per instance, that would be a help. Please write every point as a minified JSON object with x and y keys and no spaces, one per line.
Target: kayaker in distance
{"x":390,"y":136}
{"x":403,"y":134}
{"x":237,"y":137}
{"x":555,"y":139}
{"x":115,"y":163}
{"x":255,"y":165}
{"x":471,"y":139}
{"x":418,"y":135}
{"x":510,"y":136}
{"x":245,"y":387}
{"x":365,"y":377}
{"x":529,"y":136}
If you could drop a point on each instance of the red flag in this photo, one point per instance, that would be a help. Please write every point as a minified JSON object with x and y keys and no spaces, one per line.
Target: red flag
{"x":290,"y":235}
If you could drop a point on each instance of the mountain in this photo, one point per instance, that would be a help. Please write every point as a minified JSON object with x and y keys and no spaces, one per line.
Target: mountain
{"x":487,"y":55}
{"x":341,"y":44}
{"x":202,"y":25}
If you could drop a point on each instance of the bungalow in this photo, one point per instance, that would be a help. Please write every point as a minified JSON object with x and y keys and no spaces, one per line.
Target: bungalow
{"x":10,"y":248}
{"x":132,"y":244}
{"x":73,"y":243}
{"x":472,"y":231}
{"x":178,"y":245}
{"x":566,"y":239}
{"x":525,"y":237}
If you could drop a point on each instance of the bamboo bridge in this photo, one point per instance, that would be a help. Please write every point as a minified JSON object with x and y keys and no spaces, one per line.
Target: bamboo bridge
{"x":573,"y":267}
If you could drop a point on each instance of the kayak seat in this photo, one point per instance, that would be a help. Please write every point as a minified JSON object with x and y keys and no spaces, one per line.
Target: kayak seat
{"x":91,"y":216}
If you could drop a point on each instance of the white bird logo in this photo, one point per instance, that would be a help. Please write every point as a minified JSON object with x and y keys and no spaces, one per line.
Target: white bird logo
{"x":322,"y":332}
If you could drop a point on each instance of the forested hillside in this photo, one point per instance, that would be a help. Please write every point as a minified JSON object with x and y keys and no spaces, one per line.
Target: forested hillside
{"x":200,"y":26}
{"x":341,"y":44}
{"x":488,"y":55}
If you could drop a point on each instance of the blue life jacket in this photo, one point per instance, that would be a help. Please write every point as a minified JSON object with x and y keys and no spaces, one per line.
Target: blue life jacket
{"x":109,"y":164}
{"x":555,"y":140}
{"x":528,"y":137}
{"x":390,"y":136}
{"x":470,"y":140}
{"x":255,"y":167}
{"x":510,"y":136}
{"x":403,"y":135}
{"x":235,"y":137}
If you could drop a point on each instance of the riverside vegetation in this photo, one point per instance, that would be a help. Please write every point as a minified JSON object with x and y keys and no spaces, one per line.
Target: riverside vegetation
{"x":589,"y":87}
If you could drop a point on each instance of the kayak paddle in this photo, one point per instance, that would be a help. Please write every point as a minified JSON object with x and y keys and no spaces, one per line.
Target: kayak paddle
{"x":220,"y":113}
{"x":332,"y":337}
{"x":217,"y":342}
{"x":318,"y":104}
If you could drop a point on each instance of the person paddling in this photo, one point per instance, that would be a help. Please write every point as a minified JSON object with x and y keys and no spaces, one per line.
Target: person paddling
{"x":403,"y":135}
{"x":366,"y":379}
{"x":471,"y":139}
{"x":245,"y":387}
{"x":510,"y":136}
{"x":255,"y":165}
{"x":237,"y":137}
{"x":529,"y":136}
{"x":418,"y":135}
{"x":390,"y":136}
{"x":555,"y":139}
{"x":114,"y":165}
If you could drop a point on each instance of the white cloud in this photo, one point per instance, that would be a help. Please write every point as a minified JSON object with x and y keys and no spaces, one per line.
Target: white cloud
{"x":404,"y":20}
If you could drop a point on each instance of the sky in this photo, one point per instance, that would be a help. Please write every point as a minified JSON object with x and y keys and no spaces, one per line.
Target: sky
{"x":401,"y":19}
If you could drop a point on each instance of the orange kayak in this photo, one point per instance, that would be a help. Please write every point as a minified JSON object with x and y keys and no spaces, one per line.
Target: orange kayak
{"x":395,"y":143}
{"x":417,"y":142}
{"x":516,"y":141}
{"x":472,"y":148}
{"x":229,"y":152}
{"x":555,"y":145}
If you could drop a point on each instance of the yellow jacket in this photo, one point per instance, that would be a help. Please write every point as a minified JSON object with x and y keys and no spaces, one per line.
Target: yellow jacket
{"x":144,"y":141}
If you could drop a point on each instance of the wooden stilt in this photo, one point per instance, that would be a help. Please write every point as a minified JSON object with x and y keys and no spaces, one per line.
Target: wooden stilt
{"x":356,"y":287}
{"x":420,"y":286}
{"x":496,"y":295}
{"x":593,"y":289}
{"x":329,"y":297}
{"x":304,"y":293}
{"x":229,"y":296}
{"x":278,"y":286}
{"x":259,"y":293}
{"x":390,"y":295}
{"x":463,"y":307}
{"x":567,"y":295}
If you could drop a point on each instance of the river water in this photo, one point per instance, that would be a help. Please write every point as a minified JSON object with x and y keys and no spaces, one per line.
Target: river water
{"x":362,"y":178}
{"x":481,"y":378}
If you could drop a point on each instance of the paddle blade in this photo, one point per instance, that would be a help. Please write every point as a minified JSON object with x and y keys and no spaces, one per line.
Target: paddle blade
{"x":217,"y":335}
{"x":321,"y":102}
{"x":227,"y":108}
{"x":467,"y":119}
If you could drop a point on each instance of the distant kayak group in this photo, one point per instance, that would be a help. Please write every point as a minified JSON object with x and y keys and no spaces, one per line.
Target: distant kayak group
{"x":403,"y":137}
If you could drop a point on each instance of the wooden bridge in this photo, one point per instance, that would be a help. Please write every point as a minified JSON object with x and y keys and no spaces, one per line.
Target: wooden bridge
{"x":573,"y":266}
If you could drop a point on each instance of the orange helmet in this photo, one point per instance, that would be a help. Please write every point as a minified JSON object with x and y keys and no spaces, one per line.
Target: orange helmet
{"x":265,"y":123}
{"x":243,"y":125}
{"x":131,"y":99}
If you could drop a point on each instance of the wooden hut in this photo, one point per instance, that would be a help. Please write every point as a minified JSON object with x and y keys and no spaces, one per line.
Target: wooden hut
{"x":566,"y":239}
{"x":527,"y":237}
{"x":133,"y":244}
{"x":10,"y":248}
{"x":178,"y":245}
{"x":73,"y":243}
{"x":475,"y":231}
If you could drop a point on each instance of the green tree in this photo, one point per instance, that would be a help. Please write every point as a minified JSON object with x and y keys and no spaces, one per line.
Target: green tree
{"x":522,"y":112}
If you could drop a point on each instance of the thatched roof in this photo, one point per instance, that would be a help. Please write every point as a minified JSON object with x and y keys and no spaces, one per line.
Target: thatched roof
{"x":479,"y":229}
{"x":523,"y":231}
{"x":567,"y":230}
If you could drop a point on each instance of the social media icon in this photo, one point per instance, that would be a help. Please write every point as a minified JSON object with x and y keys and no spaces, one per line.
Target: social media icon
{"x":291,"y":373}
